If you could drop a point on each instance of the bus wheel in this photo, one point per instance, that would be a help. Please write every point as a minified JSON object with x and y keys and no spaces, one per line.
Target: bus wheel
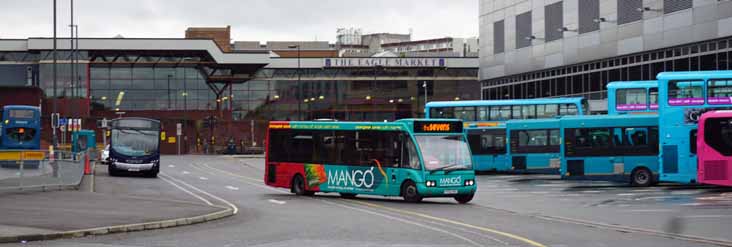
{"x":462,"y":199}
{"x":348,"y":195}
{"x":111,"y":170}
{"x":410,"y":193}
{"x":298,"y":186}
{"x":641,"y":177}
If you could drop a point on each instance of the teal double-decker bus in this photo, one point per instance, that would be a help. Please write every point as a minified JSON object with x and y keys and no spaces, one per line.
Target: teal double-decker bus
{"x":411,"y":158}
{"x":534,"y":145}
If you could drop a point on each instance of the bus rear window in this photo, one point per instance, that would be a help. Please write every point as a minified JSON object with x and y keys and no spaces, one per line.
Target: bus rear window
{"x":719,"y":92}
{"x":681,"y":93}
{"x":633,"y":99}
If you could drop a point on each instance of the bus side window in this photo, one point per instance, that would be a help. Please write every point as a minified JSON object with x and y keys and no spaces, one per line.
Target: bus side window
{"x":410,"y":159}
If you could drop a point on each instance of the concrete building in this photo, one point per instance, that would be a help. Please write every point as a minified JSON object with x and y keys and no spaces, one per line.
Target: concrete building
{"x":453,"y":47}
{"x":548,"y":48}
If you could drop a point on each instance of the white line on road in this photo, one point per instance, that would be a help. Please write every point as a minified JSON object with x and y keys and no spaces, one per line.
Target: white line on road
{"x":233,"y":207}
{"x":650,"y":210}
{"x":186,"y":172}
{"x":276,"y":201}
{"x":402,"y":220}
{"x":203,"y":178}
{"x":232,"y":187}
{"x":705,"y":216}
{"x":171,"y":166}
{"x":187,"y":191}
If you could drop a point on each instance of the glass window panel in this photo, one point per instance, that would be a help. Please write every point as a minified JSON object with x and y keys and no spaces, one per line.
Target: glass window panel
{"x":631,"y":99}
{"x":121,"y":73}
{"x":120,"y":84}
{"x":99,"y":72}
{"x":685,"y":93}
{"x":719,"y":92}
{"x":143,"y":73}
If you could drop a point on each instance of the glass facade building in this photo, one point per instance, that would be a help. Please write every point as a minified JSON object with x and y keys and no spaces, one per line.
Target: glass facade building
{"x":220,"y":97}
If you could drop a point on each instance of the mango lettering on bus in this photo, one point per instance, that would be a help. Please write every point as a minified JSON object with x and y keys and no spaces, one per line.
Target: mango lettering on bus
{"x":436,"y":127}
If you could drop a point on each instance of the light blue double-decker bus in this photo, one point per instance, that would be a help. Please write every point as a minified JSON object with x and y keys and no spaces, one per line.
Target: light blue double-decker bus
{"x":610,"y":147}
{"x":534,"y":145}
{"x":683,"y":98}
{"x":485,"y":123}
{"x":632,"y":97}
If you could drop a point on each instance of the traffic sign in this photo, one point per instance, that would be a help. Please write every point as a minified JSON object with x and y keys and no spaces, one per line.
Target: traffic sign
{"x":62,"y":121}
{"x":179,"y":129}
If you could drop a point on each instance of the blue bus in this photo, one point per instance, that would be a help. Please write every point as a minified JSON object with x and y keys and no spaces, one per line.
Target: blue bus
{"x":684,"y":97}
{"x":534,"y":145}
{"x":134,"y":146}
{"x":632,"y":97}
{"x":20,"y":128}
{"x":485,"y":123}
{"x":611,"y":147}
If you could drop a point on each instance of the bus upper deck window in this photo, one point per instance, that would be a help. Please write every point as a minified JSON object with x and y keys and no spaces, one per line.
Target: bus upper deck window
{"x":682,"y":93}
{"x":719,"y":92}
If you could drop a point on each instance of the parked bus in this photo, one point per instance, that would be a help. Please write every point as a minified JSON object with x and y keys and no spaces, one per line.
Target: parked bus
{"x":412,"y":158}
{"x":714,"y":146}
{"x":634,"y":97}
{"x":20,"y":128}
{"x":485,"y":123}
{"x":134,"y":146}
{"x":683,"y":98}
{"x":534,"y":145}
{"x":610,"y":147}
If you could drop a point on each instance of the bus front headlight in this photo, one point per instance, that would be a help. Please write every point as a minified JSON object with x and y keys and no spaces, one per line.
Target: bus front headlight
{"x":431,"y":183}
{"x":469,"y":182}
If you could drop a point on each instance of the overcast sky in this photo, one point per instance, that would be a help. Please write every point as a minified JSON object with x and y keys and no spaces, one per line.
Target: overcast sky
{"x":259,"y":20}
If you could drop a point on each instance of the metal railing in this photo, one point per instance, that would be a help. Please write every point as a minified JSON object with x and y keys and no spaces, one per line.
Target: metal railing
{"x":39,"y":169}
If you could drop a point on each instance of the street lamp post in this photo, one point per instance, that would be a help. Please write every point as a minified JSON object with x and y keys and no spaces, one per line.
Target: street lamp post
{"x":55,"y":91}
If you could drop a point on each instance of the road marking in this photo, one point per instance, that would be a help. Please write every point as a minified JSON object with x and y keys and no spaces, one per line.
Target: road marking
{"x":480,"y":228}
{"x":627,"y":194}
{"x":650,"y":210}
{"x":187,"y":191}
{"x":276,"y":201}
{"x":533,"y":243}
{"x":186,"y":172}
{"x":346,"y":206}
{"x":233,"y":207}
{"x":705,"y":216}
{"x":203,"y":178}
{"x":171,"y":166}
{"x":232,"y":187}
{"x":402,"y":220}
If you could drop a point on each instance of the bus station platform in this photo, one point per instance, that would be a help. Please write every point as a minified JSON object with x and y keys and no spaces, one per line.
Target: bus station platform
{"x":118,"y":204}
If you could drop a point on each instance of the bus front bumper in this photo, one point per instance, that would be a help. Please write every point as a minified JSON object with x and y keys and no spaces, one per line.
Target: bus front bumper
{"x":445,"y":191}
{"x":134,"y":167}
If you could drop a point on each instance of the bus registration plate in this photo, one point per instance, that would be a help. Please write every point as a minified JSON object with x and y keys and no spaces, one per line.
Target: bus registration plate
{"x":450,"y":192}
{"x":133,"y":170}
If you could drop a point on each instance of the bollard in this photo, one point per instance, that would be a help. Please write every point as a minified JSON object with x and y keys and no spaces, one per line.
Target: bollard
{"x":87,"y":166}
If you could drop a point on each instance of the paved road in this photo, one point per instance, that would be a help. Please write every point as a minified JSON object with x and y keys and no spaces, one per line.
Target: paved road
{"x":500,"y":216}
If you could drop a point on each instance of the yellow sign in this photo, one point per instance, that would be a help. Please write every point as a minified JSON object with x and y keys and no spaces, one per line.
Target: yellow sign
{"x":22,"y":155}
{"x":34,"y":155}
{"x":171,"y":139}
{"x":162,"y":135}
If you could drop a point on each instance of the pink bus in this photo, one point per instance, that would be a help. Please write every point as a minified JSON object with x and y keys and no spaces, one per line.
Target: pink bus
{"x":714,"y":148}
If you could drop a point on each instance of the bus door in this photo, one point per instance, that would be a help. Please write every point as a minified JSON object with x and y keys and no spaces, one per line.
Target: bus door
{"x":489,"y":149}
